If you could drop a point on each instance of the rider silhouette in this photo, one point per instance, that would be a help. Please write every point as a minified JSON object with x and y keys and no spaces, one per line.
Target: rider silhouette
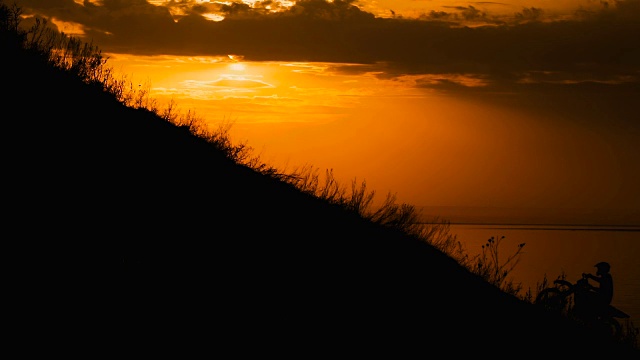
{"x":599,"y":297}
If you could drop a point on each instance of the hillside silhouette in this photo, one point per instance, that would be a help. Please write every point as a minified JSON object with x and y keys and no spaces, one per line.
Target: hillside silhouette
{"x":137,"y":237}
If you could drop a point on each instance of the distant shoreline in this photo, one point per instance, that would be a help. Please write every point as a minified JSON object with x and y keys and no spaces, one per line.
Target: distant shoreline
{"x":557,"y":218}
{"x":577,"y":227}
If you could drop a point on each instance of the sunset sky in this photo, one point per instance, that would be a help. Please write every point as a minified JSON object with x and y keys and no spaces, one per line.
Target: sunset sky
{"x":528,"y":104}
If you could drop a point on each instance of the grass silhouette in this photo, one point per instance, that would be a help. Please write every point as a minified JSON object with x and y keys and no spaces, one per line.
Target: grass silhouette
{"x":141,"y":219}
{"x":86,"y":62}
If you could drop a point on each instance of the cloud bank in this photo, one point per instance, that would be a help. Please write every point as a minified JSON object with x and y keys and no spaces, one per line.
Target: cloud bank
{"x":593,"y":46}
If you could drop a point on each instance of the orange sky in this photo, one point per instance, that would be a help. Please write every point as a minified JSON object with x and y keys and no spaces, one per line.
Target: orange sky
{"x":445,"y":103}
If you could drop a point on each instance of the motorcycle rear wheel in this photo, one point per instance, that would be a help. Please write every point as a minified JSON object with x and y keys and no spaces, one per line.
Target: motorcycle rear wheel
{"x":612,"y":328}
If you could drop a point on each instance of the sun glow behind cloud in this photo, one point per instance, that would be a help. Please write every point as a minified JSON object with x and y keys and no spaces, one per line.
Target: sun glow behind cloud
{"x":220,"y":86}
{"x":417,"y":135}
{"x":218,"y":10}
{"x":527,"y":111}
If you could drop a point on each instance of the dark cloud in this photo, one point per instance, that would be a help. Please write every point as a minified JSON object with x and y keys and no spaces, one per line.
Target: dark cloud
{"x":489,"y":3}
{"x":468,"y":12}
{"x":433,"y":14}
{"x":530,"y":14}
{"x":459,"y":8}
{"x":599,"y":46}
{"x":236,"y":8}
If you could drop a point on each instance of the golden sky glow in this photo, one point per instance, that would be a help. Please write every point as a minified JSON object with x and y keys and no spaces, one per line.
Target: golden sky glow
{"x":446,"y":103}
{"x":429,"y":146}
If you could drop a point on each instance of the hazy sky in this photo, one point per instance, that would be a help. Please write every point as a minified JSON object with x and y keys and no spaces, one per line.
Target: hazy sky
{"x":518,"y":103}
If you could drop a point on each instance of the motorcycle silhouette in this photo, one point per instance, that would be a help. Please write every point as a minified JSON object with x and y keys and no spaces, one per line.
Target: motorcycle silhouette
{"x":571,"y":299}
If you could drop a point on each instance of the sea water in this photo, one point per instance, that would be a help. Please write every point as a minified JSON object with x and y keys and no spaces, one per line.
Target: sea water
{"x":569,"y":251}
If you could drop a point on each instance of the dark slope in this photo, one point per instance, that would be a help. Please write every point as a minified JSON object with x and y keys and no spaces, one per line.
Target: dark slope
{"x":134,"y":233}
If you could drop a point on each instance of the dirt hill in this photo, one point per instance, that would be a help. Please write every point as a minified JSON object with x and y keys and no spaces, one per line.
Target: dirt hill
{"x":141,"y":239}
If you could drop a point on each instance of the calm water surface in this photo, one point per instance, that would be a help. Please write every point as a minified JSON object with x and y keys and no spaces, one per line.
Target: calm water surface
{"x":571,"y":250}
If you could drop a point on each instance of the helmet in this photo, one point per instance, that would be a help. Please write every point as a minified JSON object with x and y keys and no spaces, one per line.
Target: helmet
{"x":603,"y":266}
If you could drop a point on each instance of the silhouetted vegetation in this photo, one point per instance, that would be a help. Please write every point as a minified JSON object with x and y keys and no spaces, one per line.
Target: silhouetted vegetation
{"x":489,"y":265}
{"x":86,"y":63}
